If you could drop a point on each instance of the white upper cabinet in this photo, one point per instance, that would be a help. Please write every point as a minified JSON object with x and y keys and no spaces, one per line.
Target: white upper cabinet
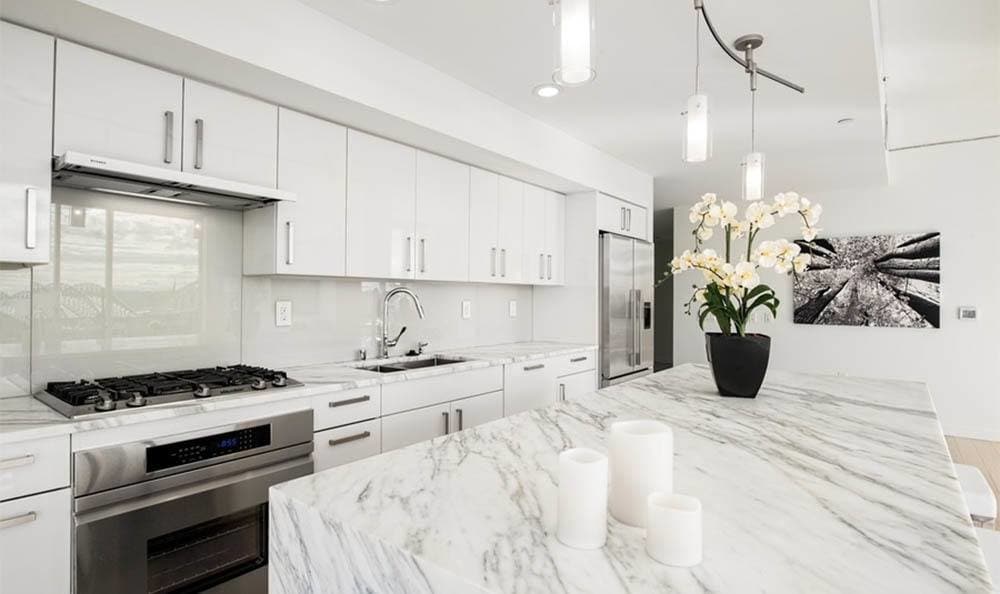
{"x":381,"y":207}
{"x":483,"y":226}
{"x":555,"y":238}
{"x":229,"y":136}
{"x":26,"y":60}
{"x":619,"y":216}
{"x":442,"y":219}
{"x":510,"y":231}
{"x":111,"y":107}
{"x":534,"y":234}
{"x":307,"y":236}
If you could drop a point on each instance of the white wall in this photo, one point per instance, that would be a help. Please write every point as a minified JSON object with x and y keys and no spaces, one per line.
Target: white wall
{"x":954,"y":189}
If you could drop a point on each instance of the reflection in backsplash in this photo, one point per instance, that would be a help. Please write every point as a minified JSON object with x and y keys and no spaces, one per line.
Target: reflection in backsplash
{"x":135,"y":285}
{"x":15,"y":331}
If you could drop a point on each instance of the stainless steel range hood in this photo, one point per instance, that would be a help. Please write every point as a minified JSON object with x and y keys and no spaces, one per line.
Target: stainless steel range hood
{"x":101,"y":174}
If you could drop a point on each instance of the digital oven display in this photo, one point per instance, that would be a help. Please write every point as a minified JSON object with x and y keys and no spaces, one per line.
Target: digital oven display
{"x":179,"y":453}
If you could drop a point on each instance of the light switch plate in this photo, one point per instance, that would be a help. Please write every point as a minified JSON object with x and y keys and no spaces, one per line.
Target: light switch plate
{"x":512,"y":308}
{"x":282,"y":313}
{"x":466,"y":309}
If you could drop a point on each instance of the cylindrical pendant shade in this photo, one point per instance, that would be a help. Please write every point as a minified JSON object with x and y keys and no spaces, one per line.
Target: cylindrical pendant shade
{"x":753,"y":176}
{"x":697,"y":145}
{"x":673,"y":529}
{"x":642,"y":461}
{"x":582,"y":520}
{"x":574,"y":43}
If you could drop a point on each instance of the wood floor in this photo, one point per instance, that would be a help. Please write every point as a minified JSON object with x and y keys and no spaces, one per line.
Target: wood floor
{"x":984,"y":455}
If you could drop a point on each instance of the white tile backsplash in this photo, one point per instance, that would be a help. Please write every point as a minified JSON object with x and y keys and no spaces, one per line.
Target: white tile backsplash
{"x":15,"y":331}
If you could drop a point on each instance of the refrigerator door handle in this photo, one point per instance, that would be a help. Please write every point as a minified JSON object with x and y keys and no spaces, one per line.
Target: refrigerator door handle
{"x":637,"y":332}
{"x":632,"y":327}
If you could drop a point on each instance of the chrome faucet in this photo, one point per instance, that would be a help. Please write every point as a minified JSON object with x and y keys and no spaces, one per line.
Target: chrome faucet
{"x":387,"y":343}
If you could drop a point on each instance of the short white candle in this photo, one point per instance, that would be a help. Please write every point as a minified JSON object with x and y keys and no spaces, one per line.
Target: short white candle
{"x":642,"y":461}
{"x":673,"y":529}
{"x":582,"y":520}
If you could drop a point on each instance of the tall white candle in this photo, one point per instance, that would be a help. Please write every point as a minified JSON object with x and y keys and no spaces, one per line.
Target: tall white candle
{"x":673,"y":529}
{"x":582,"y":520}
{"x":642,"y":461}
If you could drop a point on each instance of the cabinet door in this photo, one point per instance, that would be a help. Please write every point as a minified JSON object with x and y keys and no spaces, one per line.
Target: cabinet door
{"x":555,"y":238}
{"x":229,"y":136}
{"x":307,"y":236}
{"x":26,"y":59}
{"x":343,"y":445}
{"x":534,"y":235}
{"x":611,"y":214}
{"x":469,"y":412}
{"x":35,"y":543}
{"x":635,"y":221}
{"x":113,"y":107}
{"x":483,"y":243}
{"x":403,"y":429}
{"x":528,"y":385}
{"x":510,"y":230}
{"x":442,"y":219}
{"x":381,"y":202}
{"x":576,"y":385}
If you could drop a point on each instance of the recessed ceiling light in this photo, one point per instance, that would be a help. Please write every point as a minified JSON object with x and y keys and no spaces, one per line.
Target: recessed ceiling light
{"x":845,"y":121}
{"x":547,"y":91}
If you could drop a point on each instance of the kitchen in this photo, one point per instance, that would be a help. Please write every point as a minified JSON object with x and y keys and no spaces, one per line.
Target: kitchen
{"x":258,"y":305}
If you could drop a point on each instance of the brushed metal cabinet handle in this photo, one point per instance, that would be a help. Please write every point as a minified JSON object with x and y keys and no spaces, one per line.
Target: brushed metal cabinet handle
{"x":199,"y":141}
{"x":461,"y":416}
{"x":447,"y":422}
{"x":549,"y":265}
{"x":623,"y":219}
{"x":18,"y":520}
{"x":24,"y":460}
{"x":628,"y":220}
{"x":503,"y":262}
{"x":423,"y":254}
{"x":577,"y":359}
{"x":350,"y":438}
{"x":350,"y":401}
{"x":30,"y":218}
{"x":562,"y":392}
{"x":541,"y":266}
{"x":168,"y":137}
{"x":493,"y":261}
{"x":290,"y":227}
{"x":409,"y":254}
{"x":534,"y":367}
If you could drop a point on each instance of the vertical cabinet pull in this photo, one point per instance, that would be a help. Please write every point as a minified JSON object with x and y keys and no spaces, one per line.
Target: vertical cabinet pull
{"x":447,"y":422}
{"x":549,"y":266}
{"x":199,"y":142}
{"x":541,"y":266}
{"x":168,"y":137}
{"x":30,"y":218}
{"x":623,"y":218}
{"x":461,"y":423}
{"x":290,"y":238}
{"x":409,"y":254}
{"x":628,"y":220}
{"x":562,"y":392}
{"x":503,"y":262}
{"x":17,"y":520}
{"x":493,"y":261}
{"x":423,"y":254}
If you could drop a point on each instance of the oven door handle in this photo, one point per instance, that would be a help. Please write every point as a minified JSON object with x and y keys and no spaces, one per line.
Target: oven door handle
{"x":133,"y":497}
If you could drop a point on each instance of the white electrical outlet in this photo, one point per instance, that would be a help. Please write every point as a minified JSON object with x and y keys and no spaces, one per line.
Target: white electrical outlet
{"x":466,"y":309}
{"x":512,"y":308}
{"x":282,"y":313}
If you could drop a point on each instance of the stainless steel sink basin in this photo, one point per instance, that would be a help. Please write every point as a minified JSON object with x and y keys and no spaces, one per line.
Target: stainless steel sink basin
{"x":417,"y":364}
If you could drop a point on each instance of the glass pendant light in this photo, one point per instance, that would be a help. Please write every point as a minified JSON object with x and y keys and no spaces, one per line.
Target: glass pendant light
{"x":753,"y":163}
{"x":574,"y":42}
{"x":697,"y":145}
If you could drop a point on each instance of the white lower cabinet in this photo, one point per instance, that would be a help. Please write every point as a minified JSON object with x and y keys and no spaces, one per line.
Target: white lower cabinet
{"x":342,"y":445}
{"x":529,"y":385}
{"x":576,"y":385}
{"x":35,"y":543}
{"x":470,"y":412}
{"x":414,"y":426}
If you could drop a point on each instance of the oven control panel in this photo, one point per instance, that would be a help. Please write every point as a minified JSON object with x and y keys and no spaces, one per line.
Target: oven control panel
{"x":179,"y":453}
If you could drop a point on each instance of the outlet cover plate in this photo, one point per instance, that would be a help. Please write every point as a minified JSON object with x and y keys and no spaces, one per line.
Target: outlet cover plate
{"x":466,"y":309}
{"x":512,"y":308}
{"x":282,"y":313}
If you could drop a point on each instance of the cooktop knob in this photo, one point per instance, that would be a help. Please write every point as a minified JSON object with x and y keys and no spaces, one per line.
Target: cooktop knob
{"x":202,"y":391}
{"x":136,"y":399}
{"x":258,"y":384}
{"x":106,"y":402}
{"x":279,"y":381}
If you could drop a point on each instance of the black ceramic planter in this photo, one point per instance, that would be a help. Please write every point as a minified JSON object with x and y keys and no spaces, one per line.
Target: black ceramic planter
{"x":739,"y":363}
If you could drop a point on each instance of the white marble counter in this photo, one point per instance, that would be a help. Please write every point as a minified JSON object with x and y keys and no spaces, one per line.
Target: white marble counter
{"x":24,"y":417}
{"x":820,"y":485}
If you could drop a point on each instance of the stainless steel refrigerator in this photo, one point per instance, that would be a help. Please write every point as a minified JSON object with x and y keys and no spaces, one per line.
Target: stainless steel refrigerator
{"x":626,"y":308}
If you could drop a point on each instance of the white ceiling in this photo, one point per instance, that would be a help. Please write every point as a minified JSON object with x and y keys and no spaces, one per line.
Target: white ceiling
{"x":645,"y":73}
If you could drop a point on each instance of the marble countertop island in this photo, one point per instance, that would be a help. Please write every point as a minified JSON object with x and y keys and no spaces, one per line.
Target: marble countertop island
{"x":820,"y":485}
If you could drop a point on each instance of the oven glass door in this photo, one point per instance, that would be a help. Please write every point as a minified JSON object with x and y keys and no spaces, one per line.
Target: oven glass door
{"x":207,"y":535}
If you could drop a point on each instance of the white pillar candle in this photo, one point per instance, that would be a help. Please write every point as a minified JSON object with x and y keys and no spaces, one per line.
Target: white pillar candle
{"x":582,"y":520}
{"x":673,"y":529}
{"x":642,"y":461}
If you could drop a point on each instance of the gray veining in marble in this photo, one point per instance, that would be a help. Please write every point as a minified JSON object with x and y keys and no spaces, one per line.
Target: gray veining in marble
{"x":820,"y":485}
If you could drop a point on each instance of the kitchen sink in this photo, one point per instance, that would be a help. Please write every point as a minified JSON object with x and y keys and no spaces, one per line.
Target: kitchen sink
{"x":417,"y":364}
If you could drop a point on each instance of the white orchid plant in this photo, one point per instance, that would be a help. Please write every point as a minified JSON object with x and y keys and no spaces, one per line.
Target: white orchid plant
{"x":732,"y":289}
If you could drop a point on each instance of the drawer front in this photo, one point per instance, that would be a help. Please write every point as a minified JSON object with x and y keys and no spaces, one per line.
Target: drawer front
{"x":342,"y":445}
{"x":570,"y":364}
{"x":408,"y":395}
{"x":346,"y":406}
{"x":529,"y":385}
{"x":34,"y":466}
{"x":576,"y":385}
{"x":35,"y":543}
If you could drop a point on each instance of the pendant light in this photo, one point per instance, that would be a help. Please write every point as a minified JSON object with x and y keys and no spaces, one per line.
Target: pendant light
{"x":574,"y":42}
{"x":753,"y":163}
{"x":697,"y":145}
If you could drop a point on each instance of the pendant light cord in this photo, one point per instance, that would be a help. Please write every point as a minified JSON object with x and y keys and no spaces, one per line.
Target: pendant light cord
{"x":753,"y":120}
{"x":697,"y":49}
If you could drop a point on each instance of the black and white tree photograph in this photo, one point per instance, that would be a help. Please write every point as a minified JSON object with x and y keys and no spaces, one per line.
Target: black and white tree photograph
{"x":871,"y":280}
